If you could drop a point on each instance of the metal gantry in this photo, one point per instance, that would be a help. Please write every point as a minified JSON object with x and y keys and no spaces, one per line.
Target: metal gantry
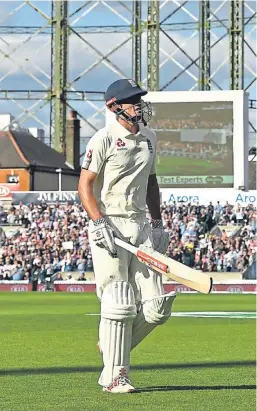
{"x":236,"y":45}
{"x":205,"y":45}
{"x":163,"y":45}
{"x":59,"y":70}
{"x":137,"y":30}
{"x":153,"y":21}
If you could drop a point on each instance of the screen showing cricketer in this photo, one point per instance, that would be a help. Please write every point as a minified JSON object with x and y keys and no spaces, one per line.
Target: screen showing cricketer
{"x":195,"y":144}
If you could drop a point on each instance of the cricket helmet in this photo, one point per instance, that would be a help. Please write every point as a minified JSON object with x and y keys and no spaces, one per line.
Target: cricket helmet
{"x":126,"y":91}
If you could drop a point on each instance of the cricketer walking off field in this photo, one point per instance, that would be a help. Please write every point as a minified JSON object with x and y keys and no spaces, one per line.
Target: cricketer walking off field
{"x":117,"y":181}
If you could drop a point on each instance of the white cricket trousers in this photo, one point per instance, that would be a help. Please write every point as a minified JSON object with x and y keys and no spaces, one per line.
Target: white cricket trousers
{"x":126,"y":267}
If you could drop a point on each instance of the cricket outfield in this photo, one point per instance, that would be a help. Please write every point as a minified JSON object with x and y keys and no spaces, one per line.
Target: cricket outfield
{"x":203,"y":362}
{"x":167,"y":165}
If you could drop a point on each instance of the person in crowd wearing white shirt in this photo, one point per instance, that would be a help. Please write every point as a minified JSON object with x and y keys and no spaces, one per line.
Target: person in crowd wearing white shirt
{"x":217,"y":212}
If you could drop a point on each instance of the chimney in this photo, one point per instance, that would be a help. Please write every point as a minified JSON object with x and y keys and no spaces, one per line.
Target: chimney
{"x":73,"y":140}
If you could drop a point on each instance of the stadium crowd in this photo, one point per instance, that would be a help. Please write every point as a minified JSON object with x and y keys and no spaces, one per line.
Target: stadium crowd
{"x":50,"y":239}
{"x":195,"y":242}
{"x":188,"y":123}
{"x":54,"y":239}
{"x":195,"y":150}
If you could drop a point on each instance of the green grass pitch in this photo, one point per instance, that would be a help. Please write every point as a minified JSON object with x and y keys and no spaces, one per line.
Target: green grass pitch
{"x":167,"y":165}
{"x":49,"y":359}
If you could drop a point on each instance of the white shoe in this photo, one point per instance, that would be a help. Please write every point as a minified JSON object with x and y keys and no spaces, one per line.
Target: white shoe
{"x":120,"y":385}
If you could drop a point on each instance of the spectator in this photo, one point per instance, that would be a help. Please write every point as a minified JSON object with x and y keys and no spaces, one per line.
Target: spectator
{"x":217,"y":212}
{"x":11,"y":217}
{"x":82,"y":277}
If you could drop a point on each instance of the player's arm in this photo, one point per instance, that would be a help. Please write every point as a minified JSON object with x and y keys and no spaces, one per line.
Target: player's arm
{"x":86,"y":194}
{"x":160,"y":237}
{"x":93,"y":162}
{"x":153,"y":198}
{"x":153,"y":192}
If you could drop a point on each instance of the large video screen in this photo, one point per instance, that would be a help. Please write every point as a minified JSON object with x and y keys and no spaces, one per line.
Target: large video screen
{"x":195,"y":144}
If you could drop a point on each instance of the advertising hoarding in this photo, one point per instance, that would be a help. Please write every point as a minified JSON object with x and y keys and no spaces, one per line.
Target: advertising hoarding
{"x":204,"y":196}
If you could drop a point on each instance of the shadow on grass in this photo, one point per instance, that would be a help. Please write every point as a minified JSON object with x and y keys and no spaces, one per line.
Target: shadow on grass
{"x":139,"y":367}
{"x":195,"y":388}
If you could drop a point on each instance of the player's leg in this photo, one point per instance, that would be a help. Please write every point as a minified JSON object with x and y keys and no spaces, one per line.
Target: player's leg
{"x":153,"y":308}
{"x":118,"y":310}
{"x":107,"y":268}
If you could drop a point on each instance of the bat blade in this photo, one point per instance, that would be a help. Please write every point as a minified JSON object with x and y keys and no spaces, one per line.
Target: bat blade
{"x":176,"y":271}
{"x":197,"y":280}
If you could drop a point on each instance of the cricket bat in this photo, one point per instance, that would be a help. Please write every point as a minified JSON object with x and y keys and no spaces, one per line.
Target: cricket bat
{"x":176,"y":271}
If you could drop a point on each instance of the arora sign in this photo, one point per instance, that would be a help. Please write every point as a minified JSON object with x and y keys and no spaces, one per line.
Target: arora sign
{"x":205,"y":195}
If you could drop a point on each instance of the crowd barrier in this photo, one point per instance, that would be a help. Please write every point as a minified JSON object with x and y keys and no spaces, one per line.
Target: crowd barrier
{"x":228,"y":287}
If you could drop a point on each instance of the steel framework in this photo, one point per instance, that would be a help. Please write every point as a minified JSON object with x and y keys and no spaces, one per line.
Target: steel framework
{"x":137,"y":41}
{"x":172,"y":45}
{"x":236,"y":45}
{"x":59,"y":67}
{"x":205,"y":45}
{"x":153,"y":25}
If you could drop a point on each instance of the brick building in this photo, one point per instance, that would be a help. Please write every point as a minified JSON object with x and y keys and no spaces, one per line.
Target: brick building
{"x":33,"y":165}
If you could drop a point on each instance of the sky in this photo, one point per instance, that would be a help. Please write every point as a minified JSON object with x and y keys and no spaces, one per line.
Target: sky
{"x":29,"y":62}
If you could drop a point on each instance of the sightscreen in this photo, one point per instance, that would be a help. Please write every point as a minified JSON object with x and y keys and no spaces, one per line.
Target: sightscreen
{"x":195,"y":143}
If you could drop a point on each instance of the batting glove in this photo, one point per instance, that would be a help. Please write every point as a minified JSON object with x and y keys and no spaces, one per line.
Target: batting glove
{"x":161,"y":238}
{"x":102,"y":235}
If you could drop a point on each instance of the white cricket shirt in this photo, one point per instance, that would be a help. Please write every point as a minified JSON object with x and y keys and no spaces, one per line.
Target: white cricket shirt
{"x":123,"y":163}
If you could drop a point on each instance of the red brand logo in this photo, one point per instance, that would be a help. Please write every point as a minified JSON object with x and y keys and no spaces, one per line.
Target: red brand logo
{"x":235,"y":289}
{"x":4,"y":191}
{"x":181,"y":289}
{"x":19,"y":288}
{"x":75,"y":289}
{"x":89,"y":154}
{"x":152,"y":262}
{"x":120,"y":143}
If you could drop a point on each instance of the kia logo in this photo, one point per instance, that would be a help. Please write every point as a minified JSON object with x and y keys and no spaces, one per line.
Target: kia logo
{"x":235,"y":289}
{"x":75,"y":289}
{"x":4,"y":191}
{"x":181,"y":289}
{"x":213,"y":288}
{"x":19,"y":288}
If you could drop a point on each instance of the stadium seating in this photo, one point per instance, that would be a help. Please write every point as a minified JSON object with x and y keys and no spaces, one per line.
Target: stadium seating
{"x":39,"y":241}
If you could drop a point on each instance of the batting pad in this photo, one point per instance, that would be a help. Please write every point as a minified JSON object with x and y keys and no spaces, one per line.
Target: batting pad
{"x":118,"y":310}
{"x":152,"y":313}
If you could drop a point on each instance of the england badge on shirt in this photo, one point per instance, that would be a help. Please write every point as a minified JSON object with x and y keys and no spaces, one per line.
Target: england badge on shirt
{"x":87,"y":159}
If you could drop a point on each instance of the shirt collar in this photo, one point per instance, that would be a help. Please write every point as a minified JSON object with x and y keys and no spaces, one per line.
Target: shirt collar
{"x":117,"y":130}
